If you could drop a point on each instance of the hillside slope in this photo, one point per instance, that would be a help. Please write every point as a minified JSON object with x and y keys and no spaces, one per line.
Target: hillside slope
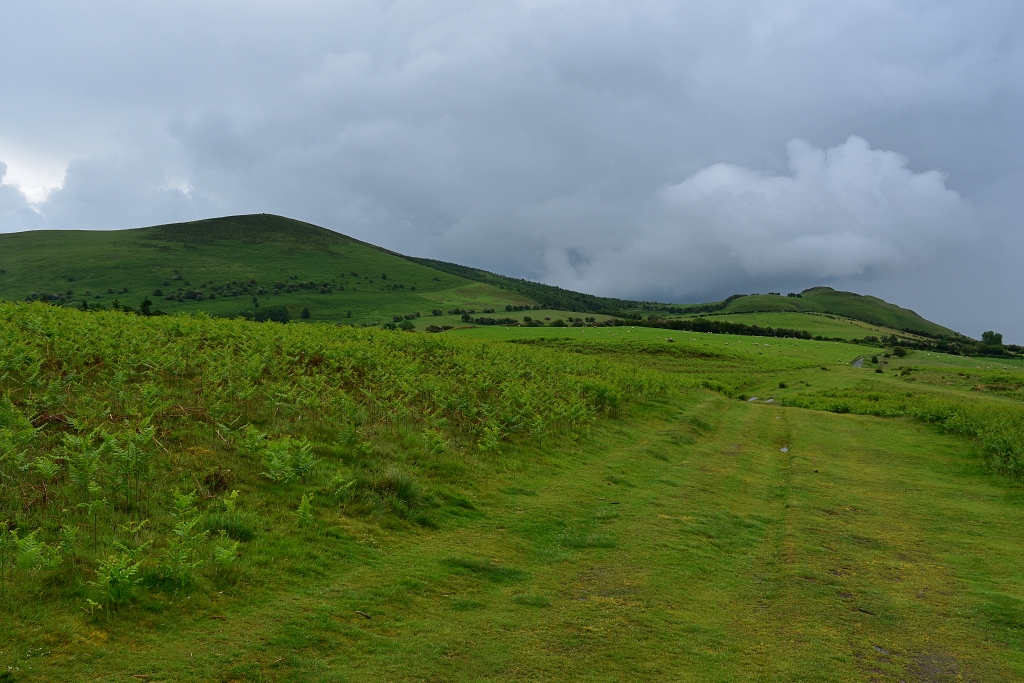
{"x":549,"y":296}
{"x":868,"y":309}
{"x":227,"y":266}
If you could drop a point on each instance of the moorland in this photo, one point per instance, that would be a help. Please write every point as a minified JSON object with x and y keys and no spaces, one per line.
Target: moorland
{"x":596,"y":493}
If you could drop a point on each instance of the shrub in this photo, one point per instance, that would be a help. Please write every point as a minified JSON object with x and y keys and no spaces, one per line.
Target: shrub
{"x":304,"y":513}
{"x":305,"y":313}
{"x":118,"y":574}
{"x":287,"y":459}
{"x":277,"y":314}
{"x":225,"y":553}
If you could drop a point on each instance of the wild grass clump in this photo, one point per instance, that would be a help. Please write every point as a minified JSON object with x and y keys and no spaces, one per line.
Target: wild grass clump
{"x":997,"y":427}
{"x":389,"y":491}
{"x":531,"y":600}
{"x":486,"y":569}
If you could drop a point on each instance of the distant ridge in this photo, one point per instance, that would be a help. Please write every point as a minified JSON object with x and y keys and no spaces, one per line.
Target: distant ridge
{"x":826,"y":300}
{"x":548,"y":296}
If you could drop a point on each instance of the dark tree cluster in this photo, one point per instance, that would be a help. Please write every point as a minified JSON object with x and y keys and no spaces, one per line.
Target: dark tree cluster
{"x":705,"y":325}
{"x":277,"y":314}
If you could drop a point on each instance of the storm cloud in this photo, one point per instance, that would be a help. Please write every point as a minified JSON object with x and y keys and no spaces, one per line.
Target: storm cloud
{"x":678,"y":151}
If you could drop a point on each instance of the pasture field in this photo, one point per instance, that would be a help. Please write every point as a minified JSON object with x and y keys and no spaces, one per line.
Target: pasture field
{"x":199,"y":499}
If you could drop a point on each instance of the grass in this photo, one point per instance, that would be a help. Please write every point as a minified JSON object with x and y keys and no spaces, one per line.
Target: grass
{"x":512,"y":503}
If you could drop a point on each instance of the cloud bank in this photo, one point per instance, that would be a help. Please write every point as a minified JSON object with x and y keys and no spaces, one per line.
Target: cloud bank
{"x":650,"y":149}
{"x":841,"y":213}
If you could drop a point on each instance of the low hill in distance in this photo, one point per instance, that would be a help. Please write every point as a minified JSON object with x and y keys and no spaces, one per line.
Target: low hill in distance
{"x":826,"y":300}
{"x":263,"y":264}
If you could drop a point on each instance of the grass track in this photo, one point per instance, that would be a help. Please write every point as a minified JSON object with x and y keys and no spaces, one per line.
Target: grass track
{"x":724,"y":559}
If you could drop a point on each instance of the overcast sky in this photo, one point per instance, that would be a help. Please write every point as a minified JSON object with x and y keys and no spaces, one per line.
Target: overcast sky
{"x":678,"y":151}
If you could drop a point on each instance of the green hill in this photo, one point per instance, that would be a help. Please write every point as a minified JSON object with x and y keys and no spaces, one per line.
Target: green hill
{"x":548,"y":296}
{"x":263,"y":263}
{"x":826,"y":300}
{"x":823,"y":300}
{"x":227,"y":266}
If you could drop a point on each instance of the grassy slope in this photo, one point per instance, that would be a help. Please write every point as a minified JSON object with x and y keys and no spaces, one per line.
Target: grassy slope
{"x":239,"y":248}
{"x":676,"y":542}
{"x":848,"y":304}
{"x":547,"y":295}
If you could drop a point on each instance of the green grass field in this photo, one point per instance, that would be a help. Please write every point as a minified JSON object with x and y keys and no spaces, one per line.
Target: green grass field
{"x":500,"y":503}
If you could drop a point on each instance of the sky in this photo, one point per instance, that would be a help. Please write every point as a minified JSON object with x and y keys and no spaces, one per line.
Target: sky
{"x":670,"y":151}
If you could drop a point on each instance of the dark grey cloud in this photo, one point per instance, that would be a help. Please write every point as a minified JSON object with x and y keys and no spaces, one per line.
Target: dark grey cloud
{"x":668,"y":150}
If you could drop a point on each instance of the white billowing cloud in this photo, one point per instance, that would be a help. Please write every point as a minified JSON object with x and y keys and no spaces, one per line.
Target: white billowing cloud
{"x":841,"y":212}
{"x":15,"y":211}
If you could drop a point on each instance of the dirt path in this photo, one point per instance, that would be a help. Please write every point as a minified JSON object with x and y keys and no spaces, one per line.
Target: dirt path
{"x":682,"y":545}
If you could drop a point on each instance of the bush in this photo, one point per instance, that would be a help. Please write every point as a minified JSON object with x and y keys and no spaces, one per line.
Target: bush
{"x":277,"y":314}
{"x":305,"y":313}
{"x":407,"y":325}
{"x":287,"y":459}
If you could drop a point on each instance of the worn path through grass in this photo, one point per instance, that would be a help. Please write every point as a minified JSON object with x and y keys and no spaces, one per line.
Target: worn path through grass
{"x":683,"y":544}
